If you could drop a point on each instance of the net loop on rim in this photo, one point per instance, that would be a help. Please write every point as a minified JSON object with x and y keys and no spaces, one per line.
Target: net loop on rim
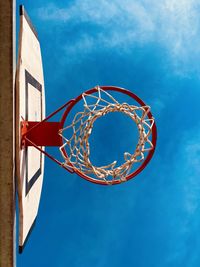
{"x":77,"y":144}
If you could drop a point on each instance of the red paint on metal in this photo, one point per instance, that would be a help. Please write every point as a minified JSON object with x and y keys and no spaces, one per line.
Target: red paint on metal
{"x":154,"y":133}
{"x":46,"y":134}
{"x":40,"y":130}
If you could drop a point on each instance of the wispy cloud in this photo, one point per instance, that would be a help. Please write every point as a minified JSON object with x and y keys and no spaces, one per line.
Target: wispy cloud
{"x":174,"y":24}
{"x":119,"y":24}
{"x":100,"y":12}
{"x":178,"y":28}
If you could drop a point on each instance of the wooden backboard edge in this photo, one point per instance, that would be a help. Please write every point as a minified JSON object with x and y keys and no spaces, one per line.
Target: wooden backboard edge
{"x":7,"y":125}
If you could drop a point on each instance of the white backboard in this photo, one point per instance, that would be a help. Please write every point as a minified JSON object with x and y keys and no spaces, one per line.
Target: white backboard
{"x":30,"y":106}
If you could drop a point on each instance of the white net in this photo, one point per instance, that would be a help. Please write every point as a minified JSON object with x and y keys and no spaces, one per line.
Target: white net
{"x":77,"y":146}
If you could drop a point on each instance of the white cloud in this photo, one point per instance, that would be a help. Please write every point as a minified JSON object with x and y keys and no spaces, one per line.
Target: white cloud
{"x":122,"y":24}
{"x":178,"y":31}
{"x":98,"y":12}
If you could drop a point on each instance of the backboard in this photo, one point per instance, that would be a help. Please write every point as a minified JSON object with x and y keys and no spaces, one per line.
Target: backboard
{"x":30,"y":106}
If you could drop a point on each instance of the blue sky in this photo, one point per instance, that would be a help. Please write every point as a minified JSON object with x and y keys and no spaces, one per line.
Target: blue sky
{"x":151,"y":48}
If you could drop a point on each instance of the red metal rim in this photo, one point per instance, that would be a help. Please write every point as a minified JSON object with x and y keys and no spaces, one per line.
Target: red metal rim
{"x":154,"y":134}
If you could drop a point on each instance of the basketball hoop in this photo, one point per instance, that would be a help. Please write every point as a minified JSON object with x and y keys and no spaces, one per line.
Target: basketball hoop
{"x":72,"y":134}
{"x":75,"y":147}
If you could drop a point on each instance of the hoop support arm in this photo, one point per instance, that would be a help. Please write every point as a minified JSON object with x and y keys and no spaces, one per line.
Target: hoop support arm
{"x":46,"y":134}
{"x":42,"y":133}
{"x":74,"y":149}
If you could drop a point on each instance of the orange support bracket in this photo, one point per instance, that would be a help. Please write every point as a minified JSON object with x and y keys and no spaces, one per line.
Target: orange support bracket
{"x":41,"y":133}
